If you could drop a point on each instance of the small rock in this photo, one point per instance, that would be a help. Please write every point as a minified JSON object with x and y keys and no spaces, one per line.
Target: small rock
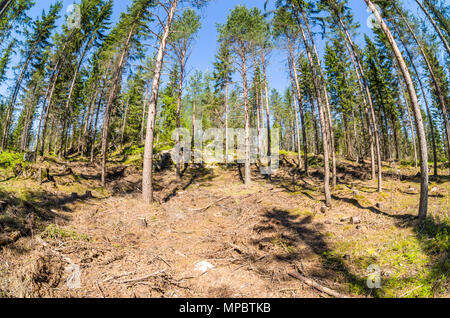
{"x":324,"y":209}
{"x":203,"y":266}
{"x":355,"y":193}
{"x":355,"y":220}
{"x":358,"y":227}
{"x":411,"y":189}
{"x":379,"y":206}
{"x":345,"y":219}
{"x":328,"y":222}
{"x":434,"y":190}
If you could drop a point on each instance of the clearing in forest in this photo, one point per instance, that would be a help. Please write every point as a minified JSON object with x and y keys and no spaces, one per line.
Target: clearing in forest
{"x":269,"y":239}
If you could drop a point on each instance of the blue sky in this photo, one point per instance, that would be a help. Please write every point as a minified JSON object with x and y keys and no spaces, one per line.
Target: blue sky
{"x":206,"y":45}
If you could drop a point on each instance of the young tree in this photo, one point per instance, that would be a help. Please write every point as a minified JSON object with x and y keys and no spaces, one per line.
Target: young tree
{"x":223,"y":71}
{"x":184,"y":29}
{"x":240,"y":30}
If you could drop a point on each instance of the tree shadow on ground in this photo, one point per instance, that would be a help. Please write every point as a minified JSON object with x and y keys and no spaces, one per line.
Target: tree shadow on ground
{"x":300,"y":232}
{"x":432,"y":235}
{"x":30,"y":213}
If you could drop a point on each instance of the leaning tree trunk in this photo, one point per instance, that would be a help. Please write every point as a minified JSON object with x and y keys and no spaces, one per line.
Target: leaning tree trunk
{"x":423,"y":204}
{"x":435,"y":83}
{"x":71,"y":90}
{"x":430,"y":118}
{"x":112,"y":96}
{"x":409,"y":117}
{"x":370,"y":101}
{"x":147,"y":178}
{"x":325,"y":92}
{"x":322,"y":117}
{"x":438,"y":31}
{"x":10,"y":109}
{"x":366,"y":106}
{"x":4,"y":6}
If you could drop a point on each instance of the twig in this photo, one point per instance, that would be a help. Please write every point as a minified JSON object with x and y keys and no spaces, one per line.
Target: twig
{"x":100,"y":289}
{"x":409,"y":292}
{"x":206,"y":208}
{"x":118,"y":276}
{"x":140,"y":279}
{"x":317,"y":286}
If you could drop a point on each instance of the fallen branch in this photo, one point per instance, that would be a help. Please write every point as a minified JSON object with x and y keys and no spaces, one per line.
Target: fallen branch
{"x":140,"y":279}
{"x":118,"y":276}
{"x":209,"y":206}
{"x":317,"y":286}
{"x":409,"y":292}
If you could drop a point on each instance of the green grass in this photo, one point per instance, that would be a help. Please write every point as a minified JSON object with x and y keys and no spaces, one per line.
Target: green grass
{"x":54,"y":232}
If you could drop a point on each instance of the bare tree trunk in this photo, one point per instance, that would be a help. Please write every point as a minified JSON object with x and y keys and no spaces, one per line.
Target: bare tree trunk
{"x":352,"y":54}
{"x":144,"y":109}
{"x":178,"y":121}
{"x":423,"y":204}
{"x":409,"y":117}
{"x":294,"y":100}
{"x":4,"y":6}
{"x":325,"y":92}
{"x":124,"y":124}
{"x":247,"y":178}
{"x":370,"y":102}
{"x":147,"y":179}
{"x":94,"y":128}
{"x":294,"y":79}
{"x":266,"y":91}
{"x":441,"y":36}
{"x":10,"y":109}
{"x":323,"y":119}
{"x":435,"y":83}
{"x":112,"y":96}
{"x":226,"y":122}
{"x":430,"y":118}
{"x":71,"y":89}
{"x":315,"y":126}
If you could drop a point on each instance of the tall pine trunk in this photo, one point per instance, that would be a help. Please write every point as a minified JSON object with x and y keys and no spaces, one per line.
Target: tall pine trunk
{"x":423,"y":204}
{"x":147,"y":178}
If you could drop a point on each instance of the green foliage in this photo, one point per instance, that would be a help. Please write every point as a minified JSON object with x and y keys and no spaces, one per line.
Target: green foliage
{"x":10,"y":159}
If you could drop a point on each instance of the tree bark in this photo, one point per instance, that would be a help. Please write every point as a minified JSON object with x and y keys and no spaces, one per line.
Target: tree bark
{"x":435,"y":83}
{"x":294,"y":78}
{"x":430,"y":118}
{"x":369,"y":99}
{"x":147,"y":179}
{"x":112,"y":96}
{"x":423,"y":204}
{"x":247,"y":177}
{"x":322,"y":116}
{"x":438,"y":31}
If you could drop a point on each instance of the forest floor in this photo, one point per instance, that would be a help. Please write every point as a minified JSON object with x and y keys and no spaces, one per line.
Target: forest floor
{"x":257,"y":237}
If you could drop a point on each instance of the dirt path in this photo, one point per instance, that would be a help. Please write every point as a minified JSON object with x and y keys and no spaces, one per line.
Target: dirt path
{"x":253,"y":236}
